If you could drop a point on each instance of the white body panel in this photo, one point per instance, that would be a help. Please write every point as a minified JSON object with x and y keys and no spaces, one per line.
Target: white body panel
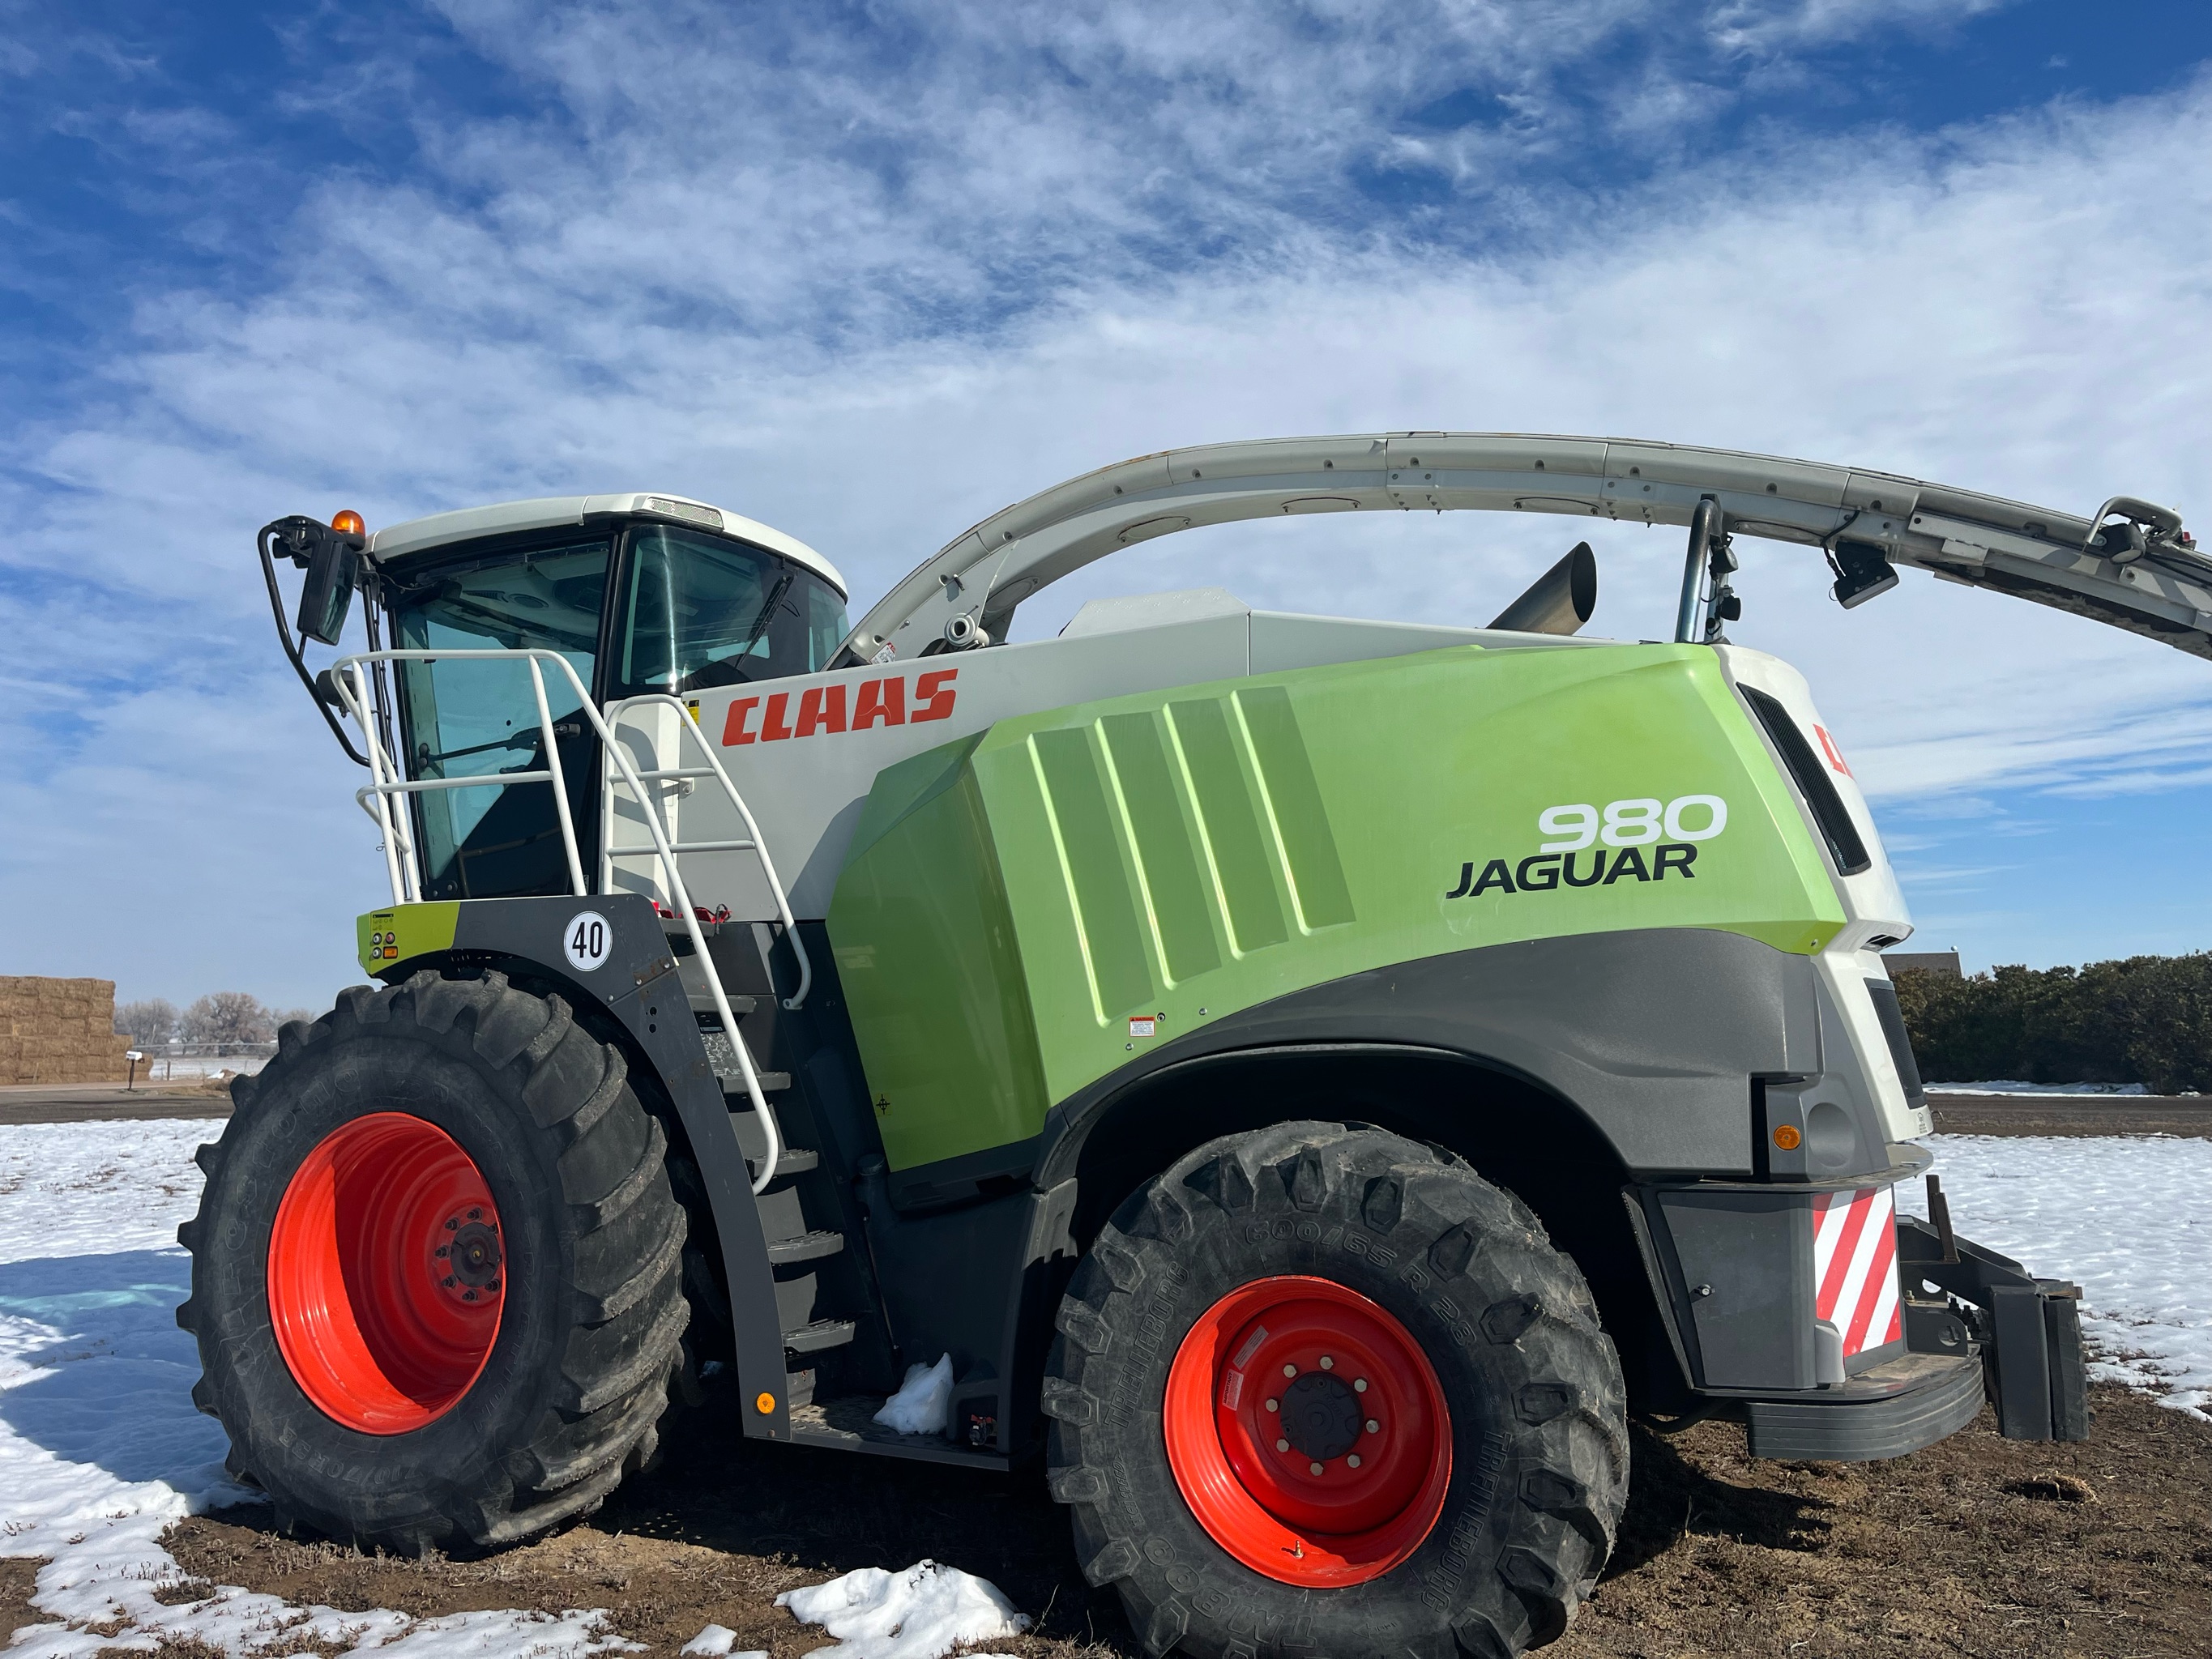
{"x":1874,"y":907}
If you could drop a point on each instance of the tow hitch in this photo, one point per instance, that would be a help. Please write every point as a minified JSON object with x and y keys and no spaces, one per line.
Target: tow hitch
{"x":2029,"y":1328}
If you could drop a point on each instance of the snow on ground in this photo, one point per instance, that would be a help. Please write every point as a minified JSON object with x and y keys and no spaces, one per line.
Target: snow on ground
{"x":2128,"y":1218}
{"x":920,"y":1614}
{"x":100,"y":1447}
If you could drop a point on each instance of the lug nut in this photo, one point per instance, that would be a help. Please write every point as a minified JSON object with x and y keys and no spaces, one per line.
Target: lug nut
{"x":447,"y":1281}
{"x":476,"y":1215}
{"x":1274,"y":1404}
{"x":1313,"y":1469}
{"x":1359,"y":1385}
{"x":1282,"y":1445}
{"x":1373,"y":1427}
{"x":1327,"y":1364}
{"x":452,"y":1225}
{"x":1353,"y":1461}
{"x":1289,"y":1370}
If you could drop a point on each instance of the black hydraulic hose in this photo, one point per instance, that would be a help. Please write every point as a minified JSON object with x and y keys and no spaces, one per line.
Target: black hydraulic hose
{"x":292,"y":652}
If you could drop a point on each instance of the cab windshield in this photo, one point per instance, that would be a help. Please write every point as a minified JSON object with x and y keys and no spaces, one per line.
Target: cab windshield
{"x":477,"y":719}
{"x":701,"y":612}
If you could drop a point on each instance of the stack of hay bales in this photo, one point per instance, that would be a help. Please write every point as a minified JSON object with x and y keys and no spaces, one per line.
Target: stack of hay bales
{"x":59,"y":1030}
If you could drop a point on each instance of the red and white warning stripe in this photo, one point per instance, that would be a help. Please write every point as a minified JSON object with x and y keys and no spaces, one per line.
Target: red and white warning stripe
{"x":1855,"y":1266}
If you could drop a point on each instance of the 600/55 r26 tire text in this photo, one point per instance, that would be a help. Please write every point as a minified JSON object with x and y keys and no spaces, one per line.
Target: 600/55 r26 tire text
{"x":436,"y":1269}
{"x":1319,"y":1389}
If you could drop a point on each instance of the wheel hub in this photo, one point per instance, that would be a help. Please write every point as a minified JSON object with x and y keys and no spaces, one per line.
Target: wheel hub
{"x":471,"y":1258}
{"x":1321,"y":1417}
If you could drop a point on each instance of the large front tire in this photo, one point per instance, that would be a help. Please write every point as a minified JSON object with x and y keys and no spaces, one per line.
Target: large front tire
{"x":436,"y":1269}
{"x":1215,"y":1429}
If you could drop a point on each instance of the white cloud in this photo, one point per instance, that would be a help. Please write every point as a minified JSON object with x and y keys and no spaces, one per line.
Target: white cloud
{"x":871,"y":301}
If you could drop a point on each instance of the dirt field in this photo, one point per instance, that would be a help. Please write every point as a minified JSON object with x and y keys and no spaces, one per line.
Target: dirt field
{"x":2073,"y":1114}
{"x":1979,"y":1546}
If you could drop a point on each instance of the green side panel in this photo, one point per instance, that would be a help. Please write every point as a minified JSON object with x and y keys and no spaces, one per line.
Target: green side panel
{"x":383,"y":938}
{"x":1294,"y":798}
{"x":928,"y":955}
{"x":1098,"y":883}
{"x":1025,"y":911}
{"x":1169,"y":860}
{"x":1243,"y":870}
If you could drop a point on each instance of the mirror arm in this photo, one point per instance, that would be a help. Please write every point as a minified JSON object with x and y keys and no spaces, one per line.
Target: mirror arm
{"x":292,"y":652}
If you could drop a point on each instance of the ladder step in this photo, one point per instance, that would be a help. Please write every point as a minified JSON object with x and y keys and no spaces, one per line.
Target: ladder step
{"x":799,"y":1388}
{"x":807,"y":1247}
{"x":734,"y":1083}
{"x":798,"y":1160}
{"x":822,"y":1334}
{"x":740,"y":1005}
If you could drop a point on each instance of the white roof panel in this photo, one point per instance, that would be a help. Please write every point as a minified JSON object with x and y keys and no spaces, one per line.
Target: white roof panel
{"x":548,"y":511}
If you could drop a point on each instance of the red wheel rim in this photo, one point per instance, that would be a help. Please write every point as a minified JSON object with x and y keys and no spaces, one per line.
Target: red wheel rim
{"x":387,"y":1274}
{"x":1288,"y":1375}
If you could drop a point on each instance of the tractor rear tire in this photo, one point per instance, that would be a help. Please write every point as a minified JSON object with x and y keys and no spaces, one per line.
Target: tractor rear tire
{"x":1320,"y":1389}
{"x":436,"y":1269}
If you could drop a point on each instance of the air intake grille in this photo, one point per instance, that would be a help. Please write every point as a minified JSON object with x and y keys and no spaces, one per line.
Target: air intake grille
{"x":1845,"y":845}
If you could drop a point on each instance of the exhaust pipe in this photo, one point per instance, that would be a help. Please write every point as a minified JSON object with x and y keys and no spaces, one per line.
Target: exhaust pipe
{"x":1557,"y":602}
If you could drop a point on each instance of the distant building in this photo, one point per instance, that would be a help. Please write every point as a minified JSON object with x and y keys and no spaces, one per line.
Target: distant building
{"x":1945,"y":962}
{"x":59,"y":1030}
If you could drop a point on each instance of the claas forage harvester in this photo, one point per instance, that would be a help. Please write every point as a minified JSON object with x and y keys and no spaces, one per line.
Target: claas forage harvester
{"x":1309,"y":1082}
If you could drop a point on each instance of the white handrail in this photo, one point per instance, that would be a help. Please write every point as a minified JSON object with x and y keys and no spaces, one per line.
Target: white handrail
{"x":353,"y":681}
{"x":689,"y":727}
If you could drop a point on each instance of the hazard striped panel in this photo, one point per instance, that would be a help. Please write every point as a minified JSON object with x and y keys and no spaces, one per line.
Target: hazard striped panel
{"x":1855,"y":1266}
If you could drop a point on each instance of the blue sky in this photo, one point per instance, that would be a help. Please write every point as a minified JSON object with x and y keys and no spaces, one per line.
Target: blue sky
{"x":870,"y":271}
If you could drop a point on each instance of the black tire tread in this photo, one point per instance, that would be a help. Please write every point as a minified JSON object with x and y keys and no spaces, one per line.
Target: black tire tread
{"x":627,"y":1310}
{"x":1574,"y":1486}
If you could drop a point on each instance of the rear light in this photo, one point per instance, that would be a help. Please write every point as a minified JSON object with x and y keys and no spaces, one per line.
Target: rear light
{"x":1844,"y":844}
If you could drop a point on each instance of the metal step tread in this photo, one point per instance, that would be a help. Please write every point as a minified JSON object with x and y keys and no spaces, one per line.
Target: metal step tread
{"x":820,"y":1335}
{"x":807,"y":1247}
{"x":733,"y":1082}
{"x":740,"y":1005}
{"x":850,"y":1424}
{"x":798,"y":1160}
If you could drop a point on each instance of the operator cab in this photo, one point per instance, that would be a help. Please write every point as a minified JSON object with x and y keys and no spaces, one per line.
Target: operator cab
{"x":638,"y":594}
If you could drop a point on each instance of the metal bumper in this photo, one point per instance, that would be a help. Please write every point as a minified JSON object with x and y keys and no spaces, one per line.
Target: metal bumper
{"x":1898,"y":1406}
{"x":1995,"y":1333}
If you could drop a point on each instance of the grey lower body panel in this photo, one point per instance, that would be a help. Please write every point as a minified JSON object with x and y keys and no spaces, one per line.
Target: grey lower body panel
{"x":1896,"y":1407}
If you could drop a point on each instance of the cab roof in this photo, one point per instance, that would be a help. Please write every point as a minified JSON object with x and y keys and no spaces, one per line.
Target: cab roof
{"x":549,"y":511}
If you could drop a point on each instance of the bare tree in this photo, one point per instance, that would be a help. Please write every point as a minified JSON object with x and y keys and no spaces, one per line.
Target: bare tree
{"x":227,"y":1016}
{"x":280,"y":1018}
{"x":149,"y":1023}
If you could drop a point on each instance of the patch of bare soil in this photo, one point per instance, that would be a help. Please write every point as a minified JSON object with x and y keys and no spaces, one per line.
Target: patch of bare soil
{"x":17,"y":1580}
{"x":2186,"y":1115}
{"x":1978,"y":1546}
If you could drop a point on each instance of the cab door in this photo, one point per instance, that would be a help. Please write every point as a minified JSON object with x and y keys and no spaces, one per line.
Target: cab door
{"x":479,"y":719}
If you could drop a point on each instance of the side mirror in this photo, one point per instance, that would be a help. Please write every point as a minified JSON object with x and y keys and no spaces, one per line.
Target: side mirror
{"x":327,"y":594}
